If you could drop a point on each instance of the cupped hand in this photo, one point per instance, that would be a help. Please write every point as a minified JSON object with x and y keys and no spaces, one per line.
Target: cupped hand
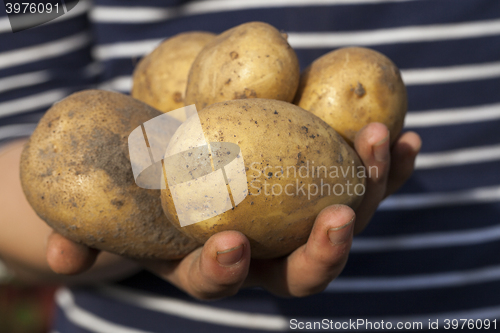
{"x":223,"y":265}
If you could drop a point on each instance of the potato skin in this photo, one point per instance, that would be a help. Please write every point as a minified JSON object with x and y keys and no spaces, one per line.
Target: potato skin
{"x":272,"y":135}
{"x":352,"y":87}
{"x":160,"y":78}
{"x":77,"y":176}
{"x":252,"y":60}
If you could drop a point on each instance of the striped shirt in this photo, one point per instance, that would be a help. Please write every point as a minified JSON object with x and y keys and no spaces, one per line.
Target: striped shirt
{"x":431,"y":251}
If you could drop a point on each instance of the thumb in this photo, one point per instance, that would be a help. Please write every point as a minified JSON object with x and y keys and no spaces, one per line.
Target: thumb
{"x":67,"y":257}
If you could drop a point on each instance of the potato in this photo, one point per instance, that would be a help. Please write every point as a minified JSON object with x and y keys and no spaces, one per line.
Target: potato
{"x":293,"y":166}
{"x":77,"y":176}
{"x":352,"y":87}
{"x":160,"y":78}
{"x":252,"y":60}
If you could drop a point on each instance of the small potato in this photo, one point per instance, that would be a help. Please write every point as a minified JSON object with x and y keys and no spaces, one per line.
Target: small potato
{"x":77,"y":176}
{"x":293,"y":166}
{"x":352,"y":87}
{"x":252,"y":60}
{"x":160,"y":78}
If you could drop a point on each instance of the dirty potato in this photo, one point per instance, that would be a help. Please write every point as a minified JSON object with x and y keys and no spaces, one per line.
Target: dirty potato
{"x":160,"y":78}
{"x":252,"y":60}
{"x":293,"y":166}
{"x":77,"y":176}
{"x":352,"y":87}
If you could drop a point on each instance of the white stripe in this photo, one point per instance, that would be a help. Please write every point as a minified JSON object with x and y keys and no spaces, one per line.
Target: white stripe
{"x":80,"y":317}
{"x":436,"y":32}
{"x":44,"y":51}
{"x":451,"y":73}
{"x":115,"y":14}
{"x":125,"y":49}
{"x":104,"y":14}
{"x":427,"y":240}
{"x":481,"y":313}
{"x":197,"y":312}
{"x":458,"y":157}
{"x":423,"y":281}
{"x":23,"y":80}
{"x":34,"y":78}
{"x":31,"y":102}
{"x":5,"y":25}
{"x":92,"y":69}
{"x":16,"y":130}
{"x":339,"y":39}
{"x":491,"y":312}
{"x":80,"y":8}
{"x":452,"y":116}
{"x":94,"y":323}
{"x":120,"y":83}
{"x":429,"y":200}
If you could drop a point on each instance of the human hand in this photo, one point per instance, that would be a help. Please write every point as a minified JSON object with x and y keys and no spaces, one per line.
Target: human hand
{"x":391,"y":166}
{"x":223,"y":265}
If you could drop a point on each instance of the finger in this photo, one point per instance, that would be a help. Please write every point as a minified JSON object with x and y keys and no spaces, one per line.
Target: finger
{"x":372,"y":145}
{"x":67,"y":257}
{"x":403,"y":156}
{"x":216,"y":270}
{"x":311,"y":267}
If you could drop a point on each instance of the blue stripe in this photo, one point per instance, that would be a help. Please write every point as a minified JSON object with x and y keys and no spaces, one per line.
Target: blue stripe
{"x":453,"y":95}
{"x":443,"y":53}
{"x":454,"y":178}
{"x":440,"y":219}
{"x":433,"y":260}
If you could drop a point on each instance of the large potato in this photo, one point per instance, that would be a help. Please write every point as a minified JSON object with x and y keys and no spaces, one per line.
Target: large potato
{"x":160,"y":78}
{"x":77,"y":176}
{"x":352,"y":87}
{"x":252,"y":60}
{"x":294,"y":166}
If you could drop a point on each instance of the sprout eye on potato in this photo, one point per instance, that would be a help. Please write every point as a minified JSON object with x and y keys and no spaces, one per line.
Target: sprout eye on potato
{"x":252,"y":60}
{"x":77,"y":176}
{"x":352,"y":87}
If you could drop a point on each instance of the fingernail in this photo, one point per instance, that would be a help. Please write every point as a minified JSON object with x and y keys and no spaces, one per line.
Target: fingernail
{"x":341,"y":234}
{"x":231,"y":256}
{"x":381,"y":150}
